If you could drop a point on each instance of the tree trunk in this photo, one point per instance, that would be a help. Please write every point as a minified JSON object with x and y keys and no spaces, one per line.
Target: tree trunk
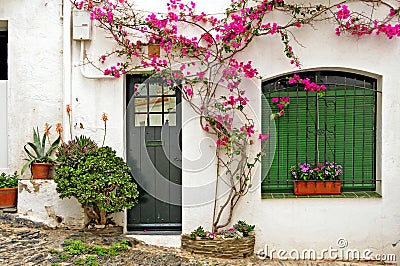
{"x":103,"y":217}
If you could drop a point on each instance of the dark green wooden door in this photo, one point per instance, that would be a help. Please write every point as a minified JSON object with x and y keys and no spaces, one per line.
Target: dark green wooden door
{"x":153,"y":123}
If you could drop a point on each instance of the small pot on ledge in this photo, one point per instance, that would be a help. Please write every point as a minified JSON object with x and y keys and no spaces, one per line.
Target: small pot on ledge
{"x":41,"y":170}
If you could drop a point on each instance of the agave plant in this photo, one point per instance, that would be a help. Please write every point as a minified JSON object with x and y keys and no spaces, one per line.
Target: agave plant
{"x":36,"y":150}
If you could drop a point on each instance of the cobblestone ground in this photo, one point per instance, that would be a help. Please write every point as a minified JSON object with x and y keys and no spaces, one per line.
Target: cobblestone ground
{"x":23,"y":242}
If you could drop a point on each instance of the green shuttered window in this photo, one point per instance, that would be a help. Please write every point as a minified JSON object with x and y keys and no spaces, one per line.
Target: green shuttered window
{"x":339,"y":127}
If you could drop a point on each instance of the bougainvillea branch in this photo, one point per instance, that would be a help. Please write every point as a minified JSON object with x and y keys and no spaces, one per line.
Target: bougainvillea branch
{"x":199,"y":54}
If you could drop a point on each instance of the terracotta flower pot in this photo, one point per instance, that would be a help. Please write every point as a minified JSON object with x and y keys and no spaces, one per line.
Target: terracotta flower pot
{"x":317,"y":187}
{"x":40,"y":170}
{"x":8,"y":197}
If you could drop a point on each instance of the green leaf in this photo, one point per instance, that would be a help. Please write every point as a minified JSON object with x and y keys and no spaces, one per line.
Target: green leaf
{"x":34,"y":149}
{"x":26,"y":165}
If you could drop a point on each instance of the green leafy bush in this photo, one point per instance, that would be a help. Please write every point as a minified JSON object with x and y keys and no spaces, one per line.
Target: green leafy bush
{"x":97,"y":178}
{"x":8,"y":180}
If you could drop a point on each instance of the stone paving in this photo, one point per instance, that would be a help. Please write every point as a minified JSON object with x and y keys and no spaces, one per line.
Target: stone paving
{"x":23,"y":242}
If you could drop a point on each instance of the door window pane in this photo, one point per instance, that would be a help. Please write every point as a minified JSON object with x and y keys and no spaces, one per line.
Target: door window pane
{"x":155,"y":89}
{"x":155,"y":104}
{"x":141,"y":105}
{"x":170,"y":104}
{"x":170,"y":119}
{"x":155,"y":119}
{"x":140,"y":120}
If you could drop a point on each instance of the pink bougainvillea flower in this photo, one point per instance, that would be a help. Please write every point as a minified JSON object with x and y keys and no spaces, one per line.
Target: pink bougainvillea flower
{"x":263,"y":136}
{"x":189,"y":92}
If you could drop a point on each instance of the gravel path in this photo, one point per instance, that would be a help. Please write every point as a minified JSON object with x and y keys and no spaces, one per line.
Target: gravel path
{"x":23,"y":242}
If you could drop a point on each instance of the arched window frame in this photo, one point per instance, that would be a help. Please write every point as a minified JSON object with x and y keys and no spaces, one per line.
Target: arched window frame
{"x":351,"y":104}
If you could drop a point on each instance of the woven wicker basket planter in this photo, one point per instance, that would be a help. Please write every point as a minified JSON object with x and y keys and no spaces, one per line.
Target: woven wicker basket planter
{"x":229,"y":248}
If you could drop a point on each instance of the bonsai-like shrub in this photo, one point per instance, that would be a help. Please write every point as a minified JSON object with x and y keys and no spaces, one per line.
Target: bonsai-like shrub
{"x":8,"y":180}
{"x":98,"y":179}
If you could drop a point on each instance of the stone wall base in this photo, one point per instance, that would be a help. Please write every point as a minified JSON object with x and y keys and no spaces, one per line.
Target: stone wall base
{"x":38,"y":201}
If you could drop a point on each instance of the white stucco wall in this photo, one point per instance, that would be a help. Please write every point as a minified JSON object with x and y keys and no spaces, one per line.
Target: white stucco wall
{"x":37,"y":93}
{"x":34,"y":71}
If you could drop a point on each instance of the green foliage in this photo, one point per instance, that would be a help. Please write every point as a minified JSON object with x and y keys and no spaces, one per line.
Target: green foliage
{"x":80,"y":253}
{"x":244,"y":227}
{"x":76,"y":247}
{"x":99,"y":180}
{"x":36,"y":150}
{"x":80,"y":261}
{"x":199,"y":232}
{"x":64,"y":256}
{"x":8,"y":180}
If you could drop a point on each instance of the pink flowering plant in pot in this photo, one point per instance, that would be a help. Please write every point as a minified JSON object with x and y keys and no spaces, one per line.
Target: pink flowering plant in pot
{"x":317,"y":179}
{"x":318,"y":171}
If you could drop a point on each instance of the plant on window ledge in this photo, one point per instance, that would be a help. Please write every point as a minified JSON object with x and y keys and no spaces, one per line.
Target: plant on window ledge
{"x":316,"y":179}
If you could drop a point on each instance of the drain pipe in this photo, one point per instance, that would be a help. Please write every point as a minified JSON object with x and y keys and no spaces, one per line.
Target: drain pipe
{"x":84,"y":62}
{"x":67,"y":62}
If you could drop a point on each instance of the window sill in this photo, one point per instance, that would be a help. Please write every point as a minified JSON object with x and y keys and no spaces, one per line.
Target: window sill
{"x":360,"y":194}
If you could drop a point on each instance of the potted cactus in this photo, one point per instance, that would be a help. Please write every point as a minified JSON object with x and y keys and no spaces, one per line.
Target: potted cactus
{"x":39,"y":158}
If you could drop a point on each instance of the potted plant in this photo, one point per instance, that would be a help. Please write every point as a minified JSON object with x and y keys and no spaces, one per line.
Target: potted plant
{"x":96,"y":177}
{"x":8,"y":190}
{"x":317,"y":179}
{"x":234,"y":243}
{"x":39,"y":158}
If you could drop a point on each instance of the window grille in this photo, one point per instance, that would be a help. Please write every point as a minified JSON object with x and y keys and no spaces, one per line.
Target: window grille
{"x":338,"y":127}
